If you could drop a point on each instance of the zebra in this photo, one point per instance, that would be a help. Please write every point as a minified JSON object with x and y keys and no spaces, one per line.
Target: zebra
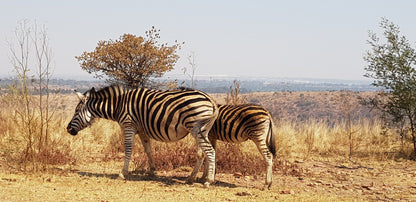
{"x":238,"y":123}
{"x":161,"y":115}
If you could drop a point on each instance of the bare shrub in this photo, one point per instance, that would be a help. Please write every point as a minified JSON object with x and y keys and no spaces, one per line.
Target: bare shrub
{"x":27,"y":103}
{"x":233,"y":96}
{"x":20,"y":150}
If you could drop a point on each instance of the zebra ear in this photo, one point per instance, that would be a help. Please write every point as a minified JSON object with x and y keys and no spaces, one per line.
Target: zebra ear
{"x":80,"y":96}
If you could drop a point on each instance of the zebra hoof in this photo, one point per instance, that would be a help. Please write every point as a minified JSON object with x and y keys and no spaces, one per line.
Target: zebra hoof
{"x":189,"y":181}
{"x":151,"y":174}
{"x":201,"y":180}
{"x":206,"y":185}
{"x":121,"y":176}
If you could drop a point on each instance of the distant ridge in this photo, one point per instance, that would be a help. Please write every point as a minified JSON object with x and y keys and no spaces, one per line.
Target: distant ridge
{"x":222,"y":83}
{"x":268,"y":78}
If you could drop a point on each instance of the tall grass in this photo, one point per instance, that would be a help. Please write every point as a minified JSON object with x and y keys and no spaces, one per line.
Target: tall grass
{"x":104,"y":141}
{"x":317,"y":138}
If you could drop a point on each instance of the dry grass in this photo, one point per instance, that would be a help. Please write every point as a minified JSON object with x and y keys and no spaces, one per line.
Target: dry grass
{"x":313,"y":161}
{"x":315,"y":137}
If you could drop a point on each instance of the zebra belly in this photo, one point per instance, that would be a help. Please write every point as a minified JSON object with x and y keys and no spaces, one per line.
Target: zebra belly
{"x":231,"y":138}
{"x":173,"y":135}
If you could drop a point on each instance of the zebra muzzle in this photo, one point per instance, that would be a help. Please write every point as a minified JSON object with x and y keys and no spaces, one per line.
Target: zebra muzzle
{"x":71,"y":131}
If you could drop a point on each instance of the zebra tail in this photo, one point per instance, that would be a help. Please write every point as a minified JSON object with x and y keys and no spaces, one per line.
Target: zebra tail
{"x":271,"y":139}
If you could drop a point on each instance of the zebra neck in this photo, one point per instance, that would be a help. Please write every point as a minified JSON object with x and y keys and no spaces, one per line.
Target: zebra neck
{"x":109,"y":104}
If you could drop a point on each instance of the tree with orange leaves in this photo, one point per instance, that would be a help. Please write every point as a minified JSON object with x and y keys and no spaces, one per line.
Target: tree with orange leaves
{"x":131,"y":60}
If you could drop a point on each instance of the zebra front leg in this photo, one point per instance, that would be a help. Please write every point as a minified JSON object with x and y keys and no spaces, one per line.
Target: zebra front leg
{"x":128,"y":145}
{"x":148,"y":149}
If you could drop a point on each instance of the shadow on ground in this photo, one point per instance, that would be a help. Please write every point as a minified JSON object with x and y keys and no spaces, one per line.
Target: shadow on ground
{"x":171,"y":180}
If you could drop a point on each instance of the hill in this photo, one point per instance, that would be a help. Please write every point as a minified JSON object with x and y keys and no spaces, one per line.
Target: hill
{"x":304,"y":106}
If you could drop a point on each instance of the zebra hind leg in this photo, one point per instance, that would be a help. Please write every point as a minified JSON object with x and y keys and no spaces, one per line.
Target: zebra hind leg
{"x":209,"y":152}
{"x":148,"y":149}
{"x":200,"y":133}
{"x":199,"y":160}
{"x":206,"y":164}
{"x":268,"y":158}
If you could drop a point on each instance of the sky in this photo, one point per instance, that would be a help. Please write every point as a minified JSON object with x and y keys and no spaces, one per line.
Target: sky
{"x":285,"y":39}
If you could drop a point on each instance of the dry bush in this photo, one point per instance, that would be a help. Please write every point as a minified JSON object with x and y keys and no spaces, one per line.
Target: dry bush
{"x":243,"y":157}
{"x":175,"y":154}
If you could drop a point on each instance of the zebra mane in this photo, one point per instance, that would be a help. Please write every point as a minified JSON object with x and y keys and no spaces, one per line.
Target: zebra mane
{"x":106,"y":88}
{"x":243,"y":105}
{"x":183,"y":88}
{"x":102,"y":92}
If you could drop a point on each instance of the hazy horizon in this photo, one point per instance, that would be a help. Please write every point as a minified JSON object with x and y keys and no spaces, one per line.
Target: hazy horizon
{"x":182,"y":77}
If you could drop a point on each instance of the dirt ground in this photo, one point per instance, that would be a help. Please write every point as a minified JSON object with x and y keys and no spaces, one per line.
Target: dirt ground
{"x":310,"y":180}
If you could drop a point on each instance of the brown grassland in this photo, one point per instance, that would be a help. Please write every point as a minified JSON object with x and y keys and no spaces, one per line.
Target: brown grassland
{"x":320,"y":158}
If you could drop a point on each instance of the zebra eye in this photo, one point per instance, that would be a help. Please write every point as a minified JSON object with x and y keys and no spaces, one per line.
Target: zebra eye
{"x":79,"y":107}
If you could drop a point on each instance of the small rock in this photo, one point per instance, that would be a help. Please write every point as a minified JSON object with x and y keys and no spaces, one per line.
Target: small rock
{"x":288,"y":191}
{"x":238,"y":174}
{"x":243,"y":194}
{"x":367,"y":187}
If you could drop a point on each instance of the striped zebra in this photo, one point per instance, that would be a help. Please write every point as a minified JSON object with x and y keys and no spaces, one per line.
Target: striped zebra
{"x":161,"y":115}
{"x":238,"y":123}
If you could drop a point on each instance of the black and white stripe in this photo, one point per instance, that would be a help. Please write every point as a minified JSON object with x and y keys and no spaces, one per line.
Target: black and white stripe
{"x":161,"y":115}
{"x":238,"y":123}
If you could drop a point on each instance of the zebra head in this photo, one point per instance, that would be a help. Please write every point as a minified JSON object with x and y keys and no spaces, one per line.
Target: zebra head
{"x":82,"y":117}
